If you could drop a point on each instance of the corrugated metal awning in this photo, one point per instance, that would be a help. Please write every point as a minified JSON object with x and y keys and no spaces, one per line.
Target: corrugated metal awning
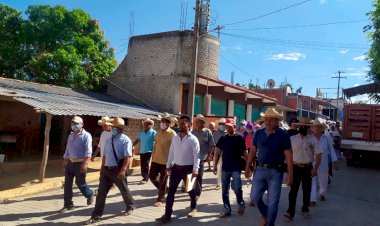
{"x":56,"y":104}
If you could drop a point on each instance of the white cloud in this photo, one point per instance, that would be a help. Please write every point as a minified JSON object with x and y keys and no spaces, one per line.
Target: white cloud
{"x":238,"y":48}
{"x":322,"y":2}
{"x":360,"y":58}
{"x":356,"y":85}
{"x":350,"y":69}
{"x":288,"y":56}
{"x":361,"y":98}
{"x":344,"y":51}
{"x":249,"y":52}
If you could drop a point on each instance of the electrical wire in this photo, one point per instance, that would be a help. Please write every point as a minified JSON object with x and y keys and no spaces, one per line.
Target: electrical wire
{"x":267,"y":14}
{"x":238,"y":68}
{"x":297,"y":26}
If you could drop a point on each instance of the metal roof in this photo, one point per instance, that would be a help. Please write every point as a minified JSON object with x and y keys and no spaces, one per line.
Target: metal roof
{"x":64,"y":101}
{"x":363,"y":89}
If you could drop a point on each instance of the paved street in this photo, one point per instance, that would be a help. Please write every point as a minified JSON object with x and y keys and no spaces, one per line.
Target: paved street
{"x":353,"y":199}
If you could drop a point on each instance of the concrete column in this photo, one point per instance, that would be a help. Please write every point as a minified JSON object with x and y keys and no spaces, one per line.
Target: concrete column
{"x":207,"y":104}
{"x":249,"y":113}
{"x":231,"y":104}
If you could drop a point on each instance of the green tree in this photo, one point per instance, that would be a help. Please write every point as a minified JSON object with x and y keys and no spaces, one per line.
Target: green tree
{"x":373,"y":31}
{"x":55,"y":46}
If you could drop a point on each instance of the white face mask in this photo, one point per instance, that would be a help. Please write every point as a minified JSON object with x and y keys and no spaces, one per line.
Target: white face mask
{"x":163,"y":126}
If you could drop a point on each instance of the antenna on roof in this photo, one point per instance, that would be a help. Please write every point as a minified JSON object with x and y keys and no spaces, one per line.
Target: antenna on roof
{"x":183,"y":16}
{"x":131,"y":24}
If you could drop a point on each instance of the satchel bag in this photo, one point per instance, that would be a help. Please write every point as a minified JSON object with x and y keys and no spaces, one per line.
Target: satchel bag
{"x":119,"y":162}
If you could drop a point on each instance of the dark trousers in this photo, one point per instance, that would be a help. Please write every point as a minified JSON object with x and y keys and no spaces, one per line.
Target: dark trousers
{"x":144,"y":160}
{"x":159,"y":179}
{"x":107,"y":178}
{"x":300,"y":174}
{"x":198,"y":184}
{"x":73,"y":170}
{"x":177,"y":174}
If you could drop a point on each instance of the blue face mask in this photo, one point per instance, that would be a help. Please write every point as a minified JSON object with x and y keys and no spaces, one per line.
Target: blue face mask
{"x":222,"y":127}
{"x":114,"y":131}
{"x":76,"y":127}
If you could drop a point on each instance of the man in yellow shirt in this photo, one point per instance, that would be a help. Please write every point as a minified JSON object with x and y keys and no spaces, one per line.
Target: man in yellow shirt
{"x":160,"y":156}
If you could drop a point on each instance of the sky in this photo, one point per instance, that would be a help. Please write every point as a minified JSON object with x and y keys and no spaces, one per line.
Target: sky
{"x":304,"y":45}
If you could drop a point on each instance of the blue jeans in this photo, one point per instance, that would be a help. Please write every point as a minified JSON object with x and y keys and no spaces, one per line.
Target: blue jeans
{"x":73,"y":170}
{"x":236,"y":185}
{"x":271,"y":180}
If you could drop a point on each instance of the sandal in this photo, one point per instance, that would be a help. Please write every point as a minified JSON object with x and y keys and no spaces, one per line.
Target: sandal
{"x":288,"y":217}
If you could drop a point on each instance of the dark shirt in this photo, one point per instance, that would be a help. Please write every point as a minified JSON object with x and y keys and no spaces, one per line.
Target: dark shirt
{"x":232,"y":148}
{"x":292,"y":132}
{"x":271,"y":148}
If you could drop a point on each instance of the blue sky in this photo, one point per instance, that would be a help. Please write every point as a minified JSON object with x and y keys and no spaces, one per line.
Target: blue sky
{"x":259,"y":49}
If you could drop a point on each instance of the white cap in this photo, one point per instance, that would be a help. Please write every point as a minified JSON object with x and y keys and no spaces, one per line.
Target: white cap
{"x":77,"y":119}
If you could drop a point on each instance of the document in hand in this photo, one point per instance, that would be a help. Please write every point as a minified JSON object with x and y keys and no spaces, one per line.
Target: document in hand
{"x":190,"y":182}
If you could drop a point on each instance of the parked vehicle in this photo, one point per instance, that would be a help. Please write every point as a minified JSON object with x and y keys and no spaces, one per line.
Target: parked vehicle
{"x":361,"y":134}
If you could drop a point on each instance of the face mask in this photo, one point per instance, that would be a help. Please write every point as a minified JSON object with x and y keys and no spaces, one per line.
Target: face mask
{"x":75,"y":127}
{"x":163,"y":126}
{"x":248,"y":130}
{"x":303,"y":130}
{"x":222,"y":127}
{"x":114,"y":131}
{"x":242,"y":127}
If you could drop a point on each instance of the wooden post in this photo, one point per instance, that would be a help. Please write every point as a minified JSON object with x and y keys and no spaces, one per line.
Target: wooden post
{"x":46,"y":148}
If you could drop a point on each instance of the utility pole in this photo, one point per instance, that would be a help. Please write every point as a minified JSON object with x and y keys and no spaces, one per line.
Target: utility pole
{"x":193,"y":75}
{"x":218,"y":28}
{"x":337,"y":96}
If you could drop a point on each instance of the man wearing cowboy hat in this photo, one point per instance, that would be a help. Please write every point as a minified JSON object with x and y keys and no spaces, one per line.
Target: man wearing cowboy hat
{"x":220,"y":132}
{"x":106,"y":134}
{"x":77,"y":155}
{"x":241,"y":127}
{"x":293,"y":127}
{"x":160,"y":156}
{"x":146,"y":140}
{"x":231,"y":148}
{"x":322,"y":170}
{"x":117,"y":149}
{"x":207,"y":144}
{"x":305,"y":146}
{"x":273,"y":146}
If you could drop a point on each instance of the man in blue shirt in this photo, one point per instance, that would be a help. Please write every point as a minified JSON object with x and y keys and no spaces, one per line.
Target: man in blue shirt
{"x":118,"y":149}
{"x":146,"y":140}
{"x":77,"y":155}
{"x":274,"y":148}
{"x":232,"y":148}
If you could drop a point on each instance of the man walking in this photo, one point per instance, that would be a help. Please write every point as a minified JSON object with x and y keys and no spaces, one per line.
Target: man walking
{"x":304,"y":146}
{"x":116,"y":159}
{"x":183,"y":160}
{"x":77,"y":155}
{"x":232,"y":148}
{"x":220,"y":132}
{"x":146,"y":140}
{"x":273,"y":146}
{"x":207,"y":144}
{"x":160,"y":156}
{"x":106,"y":134}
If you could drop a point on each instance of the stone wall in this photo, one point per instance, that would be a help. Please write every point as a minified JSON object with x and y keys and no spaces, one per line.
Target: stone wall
{"x":157,"y":64}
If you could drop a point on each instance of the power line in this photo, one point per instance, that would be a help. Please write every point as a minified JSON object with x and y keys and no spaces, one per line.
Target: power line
{"x":302,"y":44}
{"x":297,"y":26}
{"x":267,"y":14}
{"x":234,"y":65}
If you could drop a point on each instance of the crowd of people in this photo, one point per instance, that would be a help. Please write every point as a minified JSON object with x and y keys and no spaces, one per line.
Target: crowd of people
{"x":264,"y":150}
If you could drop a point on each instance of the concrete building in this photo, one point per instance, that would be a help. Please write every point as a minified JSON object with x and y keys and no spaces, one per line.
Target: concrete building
{"x":156,"y":73}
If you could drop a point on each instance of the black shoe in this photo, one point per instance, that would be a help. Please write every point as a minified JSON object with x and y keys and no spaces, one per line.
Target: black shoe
{"x":164,"y":219}
{"x":66,"y":209}
{"x":241,"y":210}
{"x":128,"y":212}
{"x":90,"y":200}
{"x":225,"y":214}
{"x":91,"y":221}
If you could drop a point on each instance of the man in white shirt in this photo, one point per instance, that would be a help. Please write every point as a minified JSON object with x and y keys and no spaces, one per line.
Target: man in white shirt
{"x":326,"y":145}
{"x":305,"y":146}
{"x":106,"y":134}
{"x":183,"y":160}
